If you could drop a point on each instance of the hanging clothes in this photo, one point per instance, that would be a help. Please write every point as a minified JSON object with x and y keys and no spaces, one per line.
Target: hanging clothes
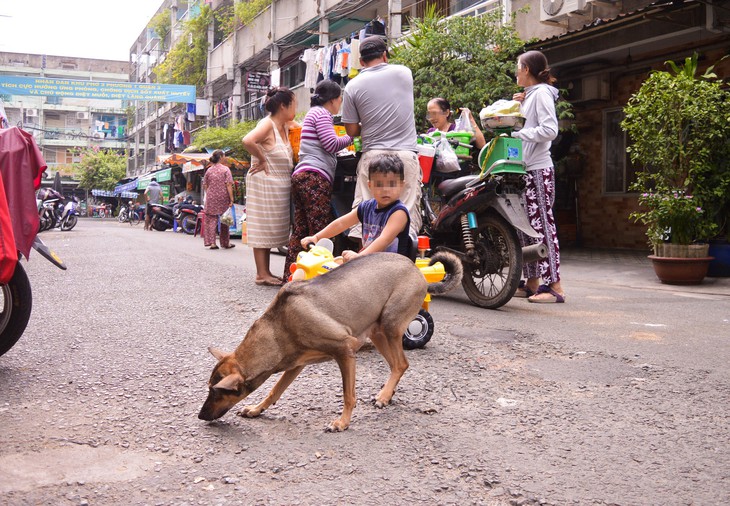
{"x":310,"y":75}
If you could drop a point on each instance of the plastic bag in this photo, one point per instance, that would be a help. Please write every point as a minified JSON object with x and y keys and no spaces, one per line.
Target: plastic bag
{"x":501,"y":108}
{"x":463,"y":124}
{"x":227,"y":218}
{"x":446,"y":160}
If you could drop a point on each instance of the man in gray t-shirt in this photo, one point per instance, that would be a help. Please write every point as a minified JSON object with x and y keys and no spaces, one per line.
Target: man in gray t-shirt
{"x":153,"y":194}
{"x":378,"y":106}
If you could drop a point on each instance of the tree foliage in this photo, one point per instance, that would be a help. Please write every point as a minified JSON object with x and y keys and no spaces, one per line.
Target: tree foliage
{"x":161,"y":24}
{"x":467,"y":60}
{"x":186,"y":61}
{"x":228,"y":138}
{"x":679,"y":126}
{"x":247,"y":11}
{"x":101,"y":170}
{"x":225,"y":21}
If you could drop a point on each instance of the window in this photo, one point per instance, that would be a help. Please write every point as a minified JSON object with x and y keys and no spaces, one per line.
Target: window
{"x":477,"y":7}
{"x":293,"y":74}
{"x":73,"y":156}
{"x":618,"y":171}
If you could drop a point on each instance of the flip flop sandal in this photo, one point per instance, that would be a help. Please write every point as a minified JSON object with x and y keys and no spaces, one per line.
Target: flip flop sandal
{"x":214,"y":247}
{"x":555,"y":296}
{"x":522,"y":291}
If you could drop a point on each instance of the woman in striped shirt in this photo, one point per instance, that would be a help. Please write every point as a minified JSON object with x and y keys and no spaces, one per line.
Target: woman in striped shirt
{"x":312,"y":179}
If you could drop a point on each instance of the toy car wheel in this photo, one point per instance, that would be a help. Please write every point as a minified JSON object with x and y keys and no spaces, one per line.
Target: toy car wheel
{"x":419,"y":331}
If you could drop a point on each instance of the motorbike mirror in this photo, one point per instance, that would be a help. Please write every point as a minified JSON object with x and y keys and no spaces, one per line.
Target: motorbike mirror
{"x":326,"y":244}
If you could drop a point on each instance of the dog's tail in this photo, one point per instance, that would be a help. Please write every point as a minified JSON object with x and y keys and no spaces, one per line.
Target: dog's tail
{"x":454,"y":272}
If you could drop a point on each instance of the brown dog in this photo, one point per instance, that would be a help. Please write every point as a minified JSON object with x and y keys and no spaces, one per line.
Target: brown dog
{"x":327,"y":318}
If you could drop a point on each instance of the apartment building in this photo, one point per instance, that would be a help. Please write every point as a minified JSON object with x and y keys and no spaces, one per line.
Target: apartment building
{"x":153,"y":123}
{"x":63,"y":125}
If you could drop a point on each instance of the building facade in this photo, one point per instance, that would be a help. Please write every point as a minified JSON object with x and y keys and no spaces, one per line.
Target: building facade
{"x":62,"y":126}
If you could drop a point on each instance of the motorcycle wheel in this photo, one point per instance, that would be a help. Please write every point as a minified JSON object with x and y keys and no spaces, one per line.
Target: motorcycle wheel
{"x":15,"y":305}
{"x":122,"y":216}
{"x":45,"y":221}
{"x":419,"y":331}
{"x":491,"y":279}
{"x":158,"y":225}
{"x":69,"y":223}
{"x":134,"y":218}
{"x":188,"y":224}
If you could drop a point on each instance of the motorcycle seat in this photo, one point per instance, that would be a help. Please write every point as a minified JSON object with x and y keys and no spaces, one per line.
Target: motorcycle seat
{"x":453,"y":186}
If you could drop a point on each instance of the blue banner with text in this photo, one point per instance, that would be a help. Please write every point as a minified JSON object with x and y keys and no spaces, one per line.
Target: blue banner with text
{"x":105,"y":90}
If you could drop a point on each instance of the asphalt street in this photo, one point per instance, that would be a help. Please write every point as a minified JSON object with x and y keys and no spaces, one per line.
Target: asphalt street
{"x":619,"y":396}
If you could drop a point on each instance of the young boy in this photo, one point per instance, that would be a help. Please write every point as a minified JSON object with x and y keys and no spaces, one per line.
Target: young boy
{"x":385,"y":220}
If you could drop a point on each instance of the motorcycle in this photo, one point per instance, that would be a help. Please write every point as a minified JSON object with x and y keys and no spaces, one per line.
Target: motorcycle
{"x":48,"y":201}
{"x":186,"y":215}
{"x":162,"y":216}
{"x":477,"y":217}
{"x":70,"y":215}
{"x":129,"y":213}
{"x":21,"y":165}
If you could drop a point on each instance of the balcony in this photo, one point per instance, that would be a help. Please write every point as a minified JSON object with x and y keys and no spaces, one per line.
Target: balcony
{"x":79,"y":137}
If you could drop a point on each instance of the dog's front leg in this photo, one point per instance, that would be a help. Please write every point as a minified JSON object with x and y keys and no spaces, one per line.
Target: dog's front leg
{"x":281,"y":385}
{"x":347,"y":368}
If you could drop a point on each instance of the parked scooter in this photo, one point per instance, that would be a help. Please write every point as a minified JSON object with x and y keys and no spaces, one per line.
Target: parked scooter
{"x":18,"y":228}
{"x":48,"y":200}
{"x":129,"y":213}
{"x":70,"y":215}
{"x":477,"y":218}
{"x":186,"y":215}
{"x":162,"y":216}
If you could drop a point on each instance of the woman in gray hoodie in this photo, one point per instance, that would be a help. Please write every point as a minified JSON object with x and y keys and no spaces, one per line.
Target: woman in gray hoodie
{"x":541,"y":127}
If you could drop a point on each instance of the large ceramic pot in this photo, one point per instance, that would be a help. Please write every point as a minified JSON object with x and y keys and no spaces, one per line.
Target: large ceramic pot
{"x":681,"y":264}
{"x":720,"y":266}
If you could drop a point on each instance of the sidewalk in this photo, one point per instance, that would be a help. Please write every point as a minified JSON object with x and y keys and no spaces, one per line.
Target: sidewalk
{"x":627,"y":268}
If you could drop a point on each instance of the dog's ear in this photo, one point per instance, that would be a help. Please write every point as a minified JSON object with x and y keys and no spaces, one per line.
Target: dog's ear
{"x":218,"y":354}
{"x":231,"y":382}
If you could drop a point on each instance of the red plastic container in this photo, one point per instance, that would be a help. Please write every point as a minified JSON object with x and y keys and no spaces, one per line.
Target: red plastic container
{"x":426,"y":155}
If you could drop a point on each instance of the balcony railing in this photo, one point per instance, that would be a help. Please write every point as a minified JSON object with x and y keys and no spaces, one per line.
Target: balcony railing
{"x":251,"y":111}
{"x":59,"y":133}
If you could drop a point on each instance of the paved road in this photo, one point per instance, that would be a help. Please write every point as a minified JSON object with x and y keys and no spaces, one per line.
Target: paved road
{"x":620,"y":396}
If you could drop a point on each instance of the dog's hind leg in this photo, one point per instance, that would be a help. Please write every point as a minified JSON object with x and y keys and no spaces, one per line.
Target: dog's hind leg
{"x":281,"y":385}
{"x":392,"y":350}
{"x":346,"y":362}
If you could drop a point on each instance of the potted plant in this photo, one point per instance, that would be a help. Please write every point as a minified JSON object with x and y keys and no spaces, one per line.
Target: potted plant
{"x":677,"y":123}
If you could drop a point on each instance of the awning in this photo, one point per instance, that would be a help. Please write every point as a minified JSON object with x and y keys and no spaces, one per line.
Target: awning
{"x":161,"y":176}
{"x":115,"y":193}
{"x":191,"y":162}
{"x":126,"y":187}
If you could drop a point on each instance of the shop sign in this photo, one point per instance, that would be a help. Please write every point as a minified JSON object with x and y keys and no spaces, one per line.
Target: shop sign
{"x":50,"y":87}
{"x":162,"y":175}
{"x":257,"y":81}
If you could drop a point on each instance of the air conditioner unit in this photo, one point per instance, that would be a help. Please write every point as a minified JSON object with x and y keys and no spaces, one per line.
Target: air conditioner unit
{"x":82,"y":115}
{"x":557,"y":10}
{"x":31,"y":113}
{"x":590,"y":88}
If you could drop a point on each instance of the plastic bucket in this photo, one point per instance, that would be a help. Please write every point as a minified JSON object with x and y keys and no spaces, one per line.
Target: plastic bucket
{"x":426,"y":154}
{"x":464,"y":138}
